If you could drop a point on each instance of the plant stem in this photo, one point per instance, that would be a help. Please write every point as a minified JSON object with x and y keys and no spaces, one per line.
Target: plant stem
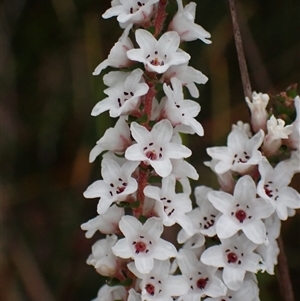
{"x":284,"y":280}
{"x":240,"y":51}
{"x":283,"y":275}
{"x":160,"y":17}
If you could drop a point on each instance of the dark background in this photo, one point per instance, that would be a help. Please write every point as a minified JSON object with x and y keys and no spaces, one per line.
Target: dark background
{"x":48,"y":52}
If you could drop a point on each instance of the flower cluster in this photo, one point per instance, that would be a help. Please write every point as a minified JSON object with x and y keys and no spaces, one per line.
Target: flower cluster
{"x":145,"y":177}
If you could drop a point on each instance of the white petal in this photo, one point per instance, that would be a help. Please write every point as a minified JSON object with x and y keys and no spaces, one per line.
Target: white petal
{"x":233,"y":277}
{"x":255,"y":231}
{"x":95,"y":190}
{"x":130,"y":226}
{"x":213,"y":256}
{"x":175,"y":286}
{"x":122,"y":249}
{"x":164,"y":250}
{"x":102,"y":106}
{"x":144,"y":264}
{"x":226,"y":227}
{"x":145,"y":39}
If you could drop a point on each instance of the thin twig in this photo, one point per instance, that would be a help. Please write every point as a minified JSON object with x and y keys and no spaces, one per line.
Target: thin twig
{"x":240,"y":51}
{"x":284,"y":280}
{"x":285,"y":284}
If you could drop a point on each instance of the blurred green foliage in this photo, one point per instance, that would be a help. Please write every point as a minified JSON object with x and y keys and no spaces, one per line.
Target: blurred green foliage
{"x":49,"y":50}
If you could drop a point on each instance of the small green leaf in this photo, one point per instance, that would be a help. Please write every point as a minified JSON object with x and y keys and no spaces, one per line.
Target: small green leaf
{"x":135,"y":204}
{"x":142,"y":219}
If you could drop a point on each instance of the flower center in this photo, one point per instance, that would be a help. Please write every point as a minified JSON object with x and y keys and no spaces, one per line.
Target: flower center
{"x":151,"y":155}
{"x":240,"y":158}
{"x":207,"y":222}
{"x":201,"y":283}
{"x":270,"y":191}
{"x":150,"y":289}
{"x":140,"y":247}
{"x":240,"y":215}
{"x":232,"y":257}
{"x":151,"y":152}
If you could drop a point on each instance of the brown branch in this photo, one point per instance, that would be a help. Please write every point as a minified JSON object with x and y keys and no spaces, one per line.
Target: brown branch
{"x":285,"y":284}
{"x":240,"y":51}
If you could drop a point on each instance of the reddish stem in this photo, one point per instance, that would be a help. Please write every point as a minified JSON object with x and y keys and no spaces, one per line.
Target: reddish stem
{"x":148,"y":101}
{"x":142,"y":182}
{"x":160,"y":16}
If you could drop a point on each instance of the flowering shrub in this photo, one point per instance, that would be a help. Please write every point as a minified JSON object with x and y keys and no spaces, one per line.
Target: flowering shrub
{"x":145,"y":184}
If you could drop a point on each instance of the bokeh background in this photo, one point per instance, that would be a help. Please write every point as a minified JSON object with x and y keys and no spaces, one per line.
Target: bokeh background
{"x":49,"y":49}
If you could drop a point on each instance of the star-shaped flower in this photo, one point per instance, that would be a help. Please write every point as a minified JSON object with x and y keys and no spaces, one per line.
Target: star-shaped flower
{"x":273,"y":187}
{"x":159,"y":284}
{"x":276,"y":132}
{"x":142,"y":242}
{"x":123,"y":97}
{"x":247,"y":292}
{"x":106,"y":223}
{"x":115,"y":139}
{"x":111,"y":293}
{"x":131,"y":11}
{"x":259,"y":114}
{"x":116,"y":185}
{"x":158,"y":56}
{"x":241,"y":153}
{"x":270,"y":250}
{"x":155,"y":148}
{"x":203,"y":217}
{"x":184,"y":23}
{"x":236,"y":256}
{"x":241,"y":211}
{"x":182,"y":170}
{"x":171,"y":206}
{"x":117,"y":57}
{"x":102,"y":258}
{"x":187,"y":75}
{"x":202,"y":279}
{"x":181,"y":111}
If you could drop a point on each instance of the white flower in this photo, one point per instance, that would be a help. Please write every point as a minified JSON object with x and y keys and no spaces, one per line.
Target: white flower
{"x":123,"y":97}
{"x":155,"y":148}
{"x":184,"y":23}
{"x":187,"y":75}
{"x":182,"y":170}
{"x":117,"y":57}
{"x":270,"y":250}
{"x":115,"y":139}
{"x":171,"y":206}
{"x":106,"y":223}
{"x":159,"y":284}
{"x":276,"y":132}
{"x":181,"y":111}
{"x":202,"y":279}
{"x":102,"y":258}
{"x":111,"y":293}
{"x":273,"y":187}
{"x":245,"y":127}
{"x":259,"y":114}
{"x":131,"y":11}
{"x":242,"y":211}
{"x":236,"y":256}
{"x":247,"y":292}
{"x":116,"y":185}
{"x":142,"y":242}
{"x":294,"y":138}
{"x":225,"y":180}
{"x":158,"y":56}
{"x":195,"y":244}
{"x":241,"y":153}
{"x":203,"y":218}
